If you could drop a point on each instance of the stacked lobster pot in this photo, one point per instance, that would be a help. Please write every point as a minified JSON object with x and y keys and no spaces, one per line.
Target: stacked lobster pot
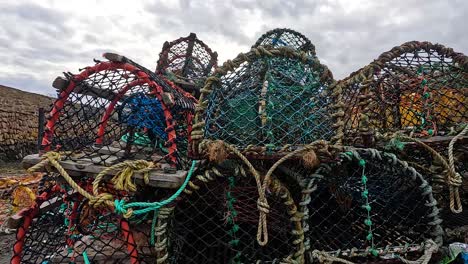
{"x":264,"y":109}
{"x":265,"y":159}
{"x":115,"y":141}
{"x":413,"y":101}
{"x":187,"y":61}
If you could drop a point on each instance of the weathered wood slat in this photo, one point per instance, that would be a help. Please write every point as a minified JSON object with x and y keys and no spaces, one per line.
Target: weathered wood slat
{"x":98,"y":257}
{"x":157,"y":177}
{"x":108,"y":150}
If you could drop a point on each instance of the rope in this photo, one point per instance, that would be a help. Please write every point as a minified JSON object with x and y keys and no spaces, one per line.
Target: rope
{"x":454,"y":192}
{"x":324,"y":257}
{"x":262,"y":203}
{"x":52,"y":158}
{"x":454,"y":179}
{"x":146,"y":207}
{"x":121,"y":180}
{"x":430,"y":248}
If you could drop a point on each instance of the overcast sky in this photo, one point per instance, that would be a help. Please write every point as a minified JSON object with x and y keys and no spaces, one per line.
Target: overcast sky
{"x":41,"y":39}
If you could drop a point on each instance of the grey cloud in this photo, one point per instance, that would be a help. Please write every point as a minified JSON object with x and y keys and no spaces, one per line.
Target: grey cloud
{"x":39,"y":42}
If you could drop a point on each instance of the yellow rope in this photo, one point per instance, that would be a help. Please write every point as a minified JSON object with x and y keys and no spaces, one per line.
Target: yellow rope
{"x":122,"y":180}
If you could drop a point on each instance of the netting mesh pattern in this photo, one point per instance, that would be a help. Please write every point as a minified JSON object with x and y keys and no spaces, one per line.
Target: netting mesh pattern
{"x":367,"y":201}
{"x":187,"y":58}
{"x":216,"y":221}
{"x":270,"y":100}
{"x":418,"y":87}
{"x":114,"y":111}
{"x":284,"y":37}
{"x":63,"y":228}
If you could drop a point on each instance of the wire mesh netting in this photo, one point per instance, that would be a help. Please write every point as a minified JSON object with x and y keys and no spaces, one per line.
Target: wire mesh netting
{"x":368,"y":203}
{"x":115,"y":111}
{"x":216,"y":220}
{"x":419,"y":88}
{"x":187,"y":59}
{"x":427,"y":164}
{"x":270,"y":101}
{"x":284,"y":37}
{"x":62,"y":228}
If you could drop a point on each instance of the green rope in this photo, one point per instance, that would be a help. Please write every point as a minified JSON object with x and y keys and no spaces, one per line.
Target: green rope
{"x":121,"y":208}
{"x":232,"y":214}
{"x":153,"y":227}
{"x":85,"y":258}
{"x":367,"y":207}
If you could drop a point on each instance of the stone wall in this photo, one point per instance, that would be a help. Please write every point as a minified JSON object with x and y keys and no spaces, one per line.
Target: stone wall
{"x":19,"y":122}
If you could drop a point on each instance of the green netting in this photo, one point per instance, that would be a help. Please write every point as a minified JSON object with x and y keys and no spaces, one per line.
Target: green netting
{"x":272,"y":102}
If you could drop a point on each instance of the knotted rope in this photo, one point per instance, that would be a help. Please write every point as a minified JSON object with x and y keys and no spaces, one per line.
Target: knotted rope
{"x":122,"y":181}
{"x":324,"y":257}
{"x":454,"y":179}
{"x":429,"y":248}
{"x":262,"y":202}
{"x":52,"y":159}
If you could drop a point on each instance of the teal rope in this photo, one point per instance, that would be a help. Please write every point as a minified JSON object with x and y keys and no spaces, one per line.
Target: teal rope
{"x":121,"y":208}
{"x":366,"y":206}
{"x":153,"y":227}
{"x":231,"y":220}
{"x":85,"y":258}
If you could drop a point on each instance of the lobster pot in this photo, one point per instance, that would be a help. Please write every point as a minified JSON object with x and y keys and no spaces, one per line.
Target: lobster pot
{"x":216,"y":220}
{"x":418,"y":87}
{"x":63,"y":228}
{"x":115,"y":111}
{"x":269,"y":101}
{"x":187,"y":61}
{"x":437,"y":175}
{"x":370,"y":204}
{"x":285,"y":37}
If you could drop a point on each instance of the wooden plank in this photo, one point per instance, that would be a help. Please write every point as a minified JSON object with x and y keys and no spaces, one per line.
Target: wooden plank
{"x":97,"y":257}
{"x":108,"y":150}
{"x":157,"y":177}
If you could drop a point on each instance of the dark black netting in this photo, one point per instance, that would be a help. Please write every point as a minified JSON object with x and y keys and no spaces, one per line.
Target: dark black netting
{"x":270,"y":102}
{"x":187,"y":59}
{"x":67,"y":230}
{"x":418,"y":88}
{"x":284,"y":37}
{"x":424,"y":162}
{"x":115,"y":112}
{"x":392,"y":207}
{"x":217,"y":223}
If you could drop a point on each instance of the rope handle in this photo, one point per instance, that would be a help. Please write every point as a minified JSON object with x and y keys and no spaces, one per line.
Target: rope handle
{"x":122,"y":180}
{"x":454,"y":179}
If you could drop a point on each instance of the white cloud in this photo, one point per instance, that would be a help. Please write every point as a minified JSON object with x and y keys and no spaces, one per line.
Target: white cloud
{"x":41,"y":39}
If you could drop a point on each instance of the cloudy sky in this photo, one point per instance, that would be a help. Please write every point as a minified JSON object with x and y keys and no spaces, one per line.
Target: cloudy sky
{"x":41,"y":39}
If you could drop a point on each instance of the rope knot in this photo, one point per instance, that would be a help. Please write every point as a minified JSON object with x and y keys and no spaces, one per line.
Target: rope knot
{"x":456,"y":180}
{"x":262,"y":205}
{"x":217,"y":151}
{"x":119,"y":208}
{"x":100,"y":200}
